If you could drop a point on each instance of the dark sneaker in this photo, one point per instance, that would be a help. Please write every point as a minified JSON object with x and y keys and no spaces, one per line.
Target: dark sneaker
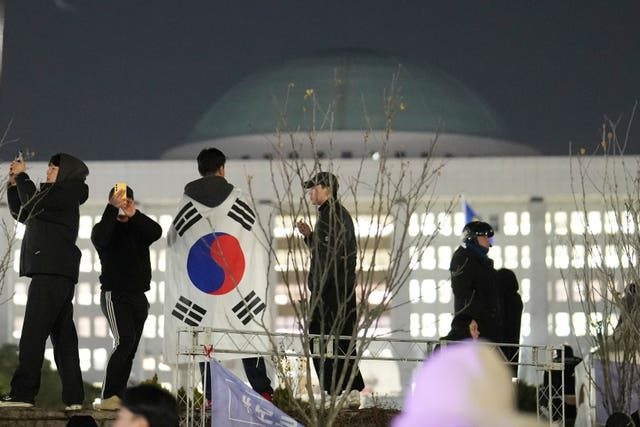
{"x":10,"y":402}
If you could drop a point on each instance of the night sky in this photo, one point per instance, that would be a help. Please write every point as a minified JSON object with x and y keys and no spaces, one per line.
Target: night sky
{"x":127,"y":79}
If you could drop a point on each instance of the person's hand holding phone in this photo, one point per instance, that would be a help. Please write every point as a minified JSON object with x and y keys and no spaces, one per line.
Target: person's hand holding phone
{"x":16,"y":167}
{"x":119,"y":197}
{"x":129,"y":207}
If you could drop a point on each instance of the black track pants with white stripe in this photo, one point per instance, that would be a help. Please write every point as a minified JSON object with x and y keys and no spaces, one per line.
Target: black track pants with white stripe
{"x":126,"y":314}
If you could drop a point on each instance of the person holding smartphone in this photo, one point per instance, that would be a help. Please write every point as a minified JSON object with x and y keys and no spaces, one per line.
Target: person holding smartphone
{"x":50,"y":257}
{"x":122,"y":239}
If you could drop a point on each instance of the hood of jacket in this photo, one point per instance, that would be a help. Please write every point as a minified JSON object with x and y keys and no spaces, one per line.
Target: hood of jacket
{"x":211,"y":191}
{"x":71,"y":169}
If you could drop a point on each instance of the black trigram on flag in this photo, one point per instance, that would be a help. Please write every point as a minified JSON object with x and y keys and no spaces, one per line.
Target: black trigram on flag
{"x":188,"y":312}
{"x":187,"y":216}
{"x":242,"y":213}
{"x":249,"y":307}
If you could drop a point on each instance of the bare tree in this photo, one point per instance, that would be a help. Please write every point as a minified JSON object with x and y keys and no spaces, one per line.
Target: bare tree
{"x":604,"y":266}
{"x":401,"y":187}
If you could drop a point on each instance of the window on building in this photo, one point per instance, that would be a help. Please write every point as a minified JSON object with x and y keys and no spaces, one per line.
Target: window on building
{"x":628,"y":225}
{"x":414,"y":324}
{"x":429,"y":325}
{"x":149,"y":363}
{"x":428,"y":259}
{"x":16,"y":261}
{"x":595,"y":222}
{"x":428,"y":224}
{"x":165,"y":222}
{"x":161,"y":292}
{"x":152,"y":293}
{"x":444,"y":291}
{"x":444,"y":222}
{"x":525,"y":223}
{"x":153,"y":258}
{"x":20,"y":293}
{"x":579,"y":324}
{"x":594,"y":259}
{"x":85,"y":359}
{"x":429,"y":291}
{"x":444,"y":257}
{"x":611,"y":222}
{"x":414,"y":226}
{"x":611,"y":258}
{"x":577,"y":258}
{"x":162,"y":260}
{"x":563,"y":324}
{"x":525,"y":325}
{"x":525,"y":290}
{"x":83,"y":326}
{"x":85,"y":226}
{"x":495,"y":253}
{"x":511,"y":256}
{"x":96,"y":294}
{"x":578,"y":222}
{"x":86,"y":261}
{"x":84,"y":294}
{"x":561,"y":256}
{"x":414,"y":291}
{"x":100,"y":359}
{"x":17,"y":326}
{"x":149,"y":330}
{"x":548,"y":225}
{"x":444,"y":323}
{"x":100,"y":327}
{"x":510,"y":227}
{"x":525,"y":256}
{"x":459,"y":221}
{"x":560,"y":223}
{"x":560,"y":291}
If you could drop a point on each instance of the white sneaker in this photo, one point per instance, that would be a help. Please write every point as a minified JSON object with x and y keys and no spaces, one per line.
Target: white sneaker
{"x":353,"y":399}
{"x":9,"y":402}
{"x":110,"y":404}
{"x":74,"y":407}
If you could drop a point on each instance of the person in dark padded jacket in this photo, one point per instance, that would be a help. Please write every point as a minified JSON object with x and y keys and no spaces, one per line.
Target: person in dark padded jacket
{"x":122,"y":241}
{"x":50,"y":257}
{"x":332,"y":286}
{"x":475,"y":288}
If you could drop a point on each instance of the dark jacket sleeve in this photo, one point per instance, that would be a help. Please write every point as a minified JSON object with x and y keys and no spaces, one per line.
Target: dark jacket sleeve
{"x":464,"y":288}
{"x":148,"y":228}
{"x":19,"y":197}
{"x":51,"y":201}
{"x":103,"y":230}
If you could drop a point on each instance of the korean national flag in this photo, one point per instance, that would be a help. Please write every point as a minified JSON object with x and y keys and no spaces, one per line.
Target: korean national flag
{"x":217,"y":273}
{"x":236,"y":404}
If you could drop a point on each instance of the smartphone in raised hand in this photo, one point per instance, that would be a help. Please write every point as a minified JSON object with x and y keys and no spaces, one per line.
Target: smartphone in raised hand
{"x":120,"y":186}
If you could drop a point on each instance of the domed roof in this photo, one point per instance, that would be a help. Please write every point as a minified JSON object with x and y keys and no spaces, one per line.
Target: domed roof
{"x":344,"y":93}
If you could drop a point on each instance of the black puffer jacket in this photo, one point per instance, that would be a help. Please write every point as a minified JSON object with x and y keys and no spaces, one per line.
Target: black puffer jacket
{"x":51,"y":215}
{"x":123,"y":248}
{"x":475,"y":291}
{"x":332,"y":273}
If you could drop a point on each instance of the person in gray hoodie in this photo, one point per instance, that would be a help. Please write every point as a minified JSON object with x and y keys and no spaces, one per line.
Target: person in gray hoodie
{"x":50,"y":257}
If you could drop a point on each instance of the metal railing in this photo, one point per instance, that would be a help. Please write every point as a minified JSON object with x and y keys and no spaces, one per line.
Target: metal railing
{"x":196,"y":344}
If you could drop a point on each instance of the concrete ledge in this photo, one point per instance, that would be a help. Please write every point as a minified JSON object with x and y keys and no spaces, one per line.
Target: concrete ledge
{"x":36,"y":417}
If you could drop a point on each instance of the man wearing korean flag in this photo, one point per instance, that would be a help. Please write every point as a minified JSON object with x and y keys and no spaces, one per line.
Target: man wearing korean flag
{"x":217,"y":270}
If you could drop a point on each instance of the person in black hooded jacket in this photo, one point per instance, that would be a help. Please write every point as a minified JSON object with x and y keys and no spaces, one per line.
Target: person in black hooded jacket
{"x":122,"y":242}
{"x":50,"y":257}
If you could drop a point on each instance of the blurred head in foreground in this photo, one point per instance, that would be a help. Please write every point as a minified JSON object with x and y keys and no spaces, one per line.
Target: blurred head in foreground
{"x":463,"y":385}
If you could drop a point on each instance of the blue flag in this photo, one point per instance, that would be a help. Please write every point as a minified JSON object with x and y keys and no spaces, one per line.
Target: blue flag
{"x":236,"y":404}
{"x":469,"y":213}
